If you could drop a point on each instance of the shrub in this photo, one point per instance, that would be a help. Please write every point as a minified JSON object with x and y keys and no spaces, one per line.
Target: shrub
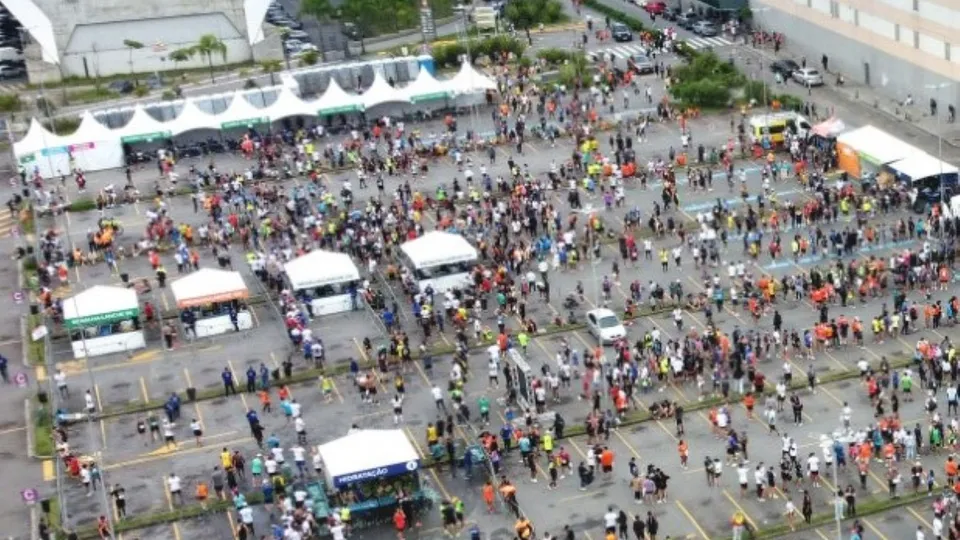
{"x":554,"y":56}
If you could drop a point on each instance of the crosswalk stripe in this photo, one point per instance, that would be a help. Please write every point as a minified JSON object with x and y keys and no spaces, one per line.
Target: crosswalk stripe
{"x":11,"y":88}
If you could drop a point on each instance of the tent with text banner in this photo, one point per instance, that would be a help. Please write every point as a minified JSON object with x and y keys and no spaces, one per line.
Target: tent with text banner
{"x":103,"y":320}
{"x":368,"y":469}
{"x":93,"y":146}
{"x":336,"y":100}
{"x":33,"y":151}
{"x":143,"y":128}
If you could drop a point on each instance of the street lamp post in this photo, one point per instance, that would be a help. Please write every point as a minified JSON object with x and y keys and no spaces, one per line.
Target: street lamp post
{"x":936,"y":88}
{"x":826,"y":444}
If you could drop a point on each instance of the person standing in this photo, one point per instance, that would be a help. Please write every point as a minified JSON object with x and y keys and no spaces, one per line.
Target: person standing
{"x":120,"y":500}
{"x":228,"y":386}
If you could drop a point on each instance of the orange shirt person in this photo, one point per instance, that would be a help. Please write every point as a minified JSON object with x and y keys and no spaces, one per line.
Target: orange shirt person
{"x":606,"y":460}
{"x":488,"y":497}
{"x":684,"y":452}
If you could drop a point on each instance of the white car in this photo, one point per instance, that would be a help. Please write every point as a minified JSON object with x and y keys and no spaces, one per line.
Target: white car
{"x":808,"y":77}
{"x":605,"y":326}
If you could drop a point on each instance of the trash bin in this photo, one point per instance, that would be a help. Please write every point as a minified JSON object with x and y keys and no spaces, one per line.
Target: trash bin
{"x":34,"y":309}
{"x":191,"y":394}
{"x":42,"y":396}
{"x":125,"y":278}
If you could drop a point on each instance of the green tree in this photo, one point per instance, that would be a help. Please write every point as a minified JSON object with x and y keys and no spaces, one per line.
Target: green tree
{"x":132,"y":45}
{"x":271,"y":67}
{"x":525,"y":14}
{"x":208,"y":46}
{"x":364,"y":14}
{"x":180,"y":55}
{"x":10,"y":103}
{"x":574,"y":71}
{"x":309,"y":58}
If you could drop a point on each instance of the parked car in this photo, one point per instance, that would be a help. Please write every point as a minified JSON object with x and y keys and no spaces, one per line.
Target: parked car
{"x":12,"y":72}
{"x":621,"y":32}
{"x":121,"y":86}
{"x":705,"y":29}
{"x":686,"y":20}
{"x":641,"y":64}
{"x":655,"y":8}
{"x":605,"y":326}
{"x":808,"y":77}
{"x":671,"y":14}
{"x":785,"y":68}
{"x":299,"y":35}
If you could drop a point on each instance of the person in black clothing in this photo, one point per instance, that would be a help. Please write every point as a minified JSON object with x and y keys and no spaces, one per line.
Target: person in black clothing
{"x":622,"y":529}
{"x":653,"y":526}
{"x":120,"y":499}
{"x":639,"y":527}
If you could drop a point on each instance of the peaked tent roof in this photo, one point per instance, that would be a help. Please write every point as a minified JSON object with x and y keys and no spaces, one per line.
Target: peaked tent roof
{"x":242,"y":114}
{"x":381,"y":92}
{"x":37,"y":138}
{"x":336,"y":101}
{"x":920,"y":166}
{"x":426,"y":88}
{"x":89,"y":130}
{"x":208,"y":285}
{"x":143,"y":128}
{"x":365,"y":451}
{"x":192,"y":118}
{"x":438,"y":247}
{"x":468,"y":80}
{"x":100,"y":299}
{"x":319,"y":268}
{"x":289,"y":104}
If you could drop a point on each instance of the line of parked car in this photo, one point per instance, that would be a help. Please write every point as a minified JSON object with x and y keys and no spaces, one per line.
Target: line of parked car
{"x":788,"y":69}
{"x":12,"y":64}
{"x":296,"y":41}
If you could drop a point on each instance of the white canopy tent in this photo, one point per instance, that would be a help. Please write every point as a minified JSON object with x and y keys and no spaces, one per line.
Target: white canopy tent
{"x":208,"y":285}
{"x":192,"y":118}
{"x":437,"y":247}
{"x":242,"y":114}
{"x":877,"y":146}
{"x":381,"y":92}
{"x":100,"y":304}
{"x":142,"y":128}
{"x":470,"y":81}
{"x":319,"y":268}
{"x":426,"y":88}
{"x":337,"y":101}
{"x":93,"y":145}
{"x":38,"y":149}
{"x":289,"y":104}
{"x":922,"y":166}
{"x":368,"y":454}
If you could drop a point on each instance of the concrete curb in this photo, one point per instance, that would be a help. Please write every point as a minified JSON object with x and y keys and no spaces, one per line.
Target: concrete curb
{"x":34,"y":523}
{"x":25,"y":342}
{"x":28,"y":415}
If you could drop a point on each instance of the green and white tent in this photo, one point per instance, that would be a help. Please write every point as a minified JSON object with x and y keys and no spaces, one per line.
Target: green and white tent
{"x":100,"y":305}
{"x":426,"y":88}
{"x":336,"y":101}
{"x":143,"y":128}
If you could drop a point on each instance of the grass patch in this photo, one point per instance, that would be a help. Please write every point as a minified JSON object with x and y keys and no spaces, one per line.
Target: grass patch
{"x":91,"y":95}
{"x":82,"y":205}
{"x":43,"y":429}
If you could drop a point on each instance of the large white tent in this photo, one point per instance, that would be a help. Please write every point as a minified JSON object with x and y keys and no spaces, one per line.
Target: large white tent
{"x":426,"y":88}
{"x":920,"y":166}
{"x":289,"y":104}
{"x":381,"y":92}
{"x":336,"y":100}
{"x":368,"y":454}
{"x":469,"y":81}
{"x":319,"y":268}
{"x":438,"y":247}
{"x":208,"y":285}
{"x":100,"y":304}
{"x":143,"y":128}
{"x":877,"y":146}
{"x":93,"y":146}
{"x":192,"y":118}
{"x":39,"y":149}
{"x":242,"y":114}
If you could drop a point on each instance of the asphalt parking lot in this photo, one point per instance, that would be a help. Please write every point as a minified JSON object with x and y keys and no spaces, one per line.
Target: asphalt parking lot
{"x":140,"y":465}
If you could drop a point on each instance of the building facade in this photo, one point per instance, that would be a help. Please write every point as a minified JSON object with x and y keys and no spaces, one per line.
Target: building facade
{"x":901,"y":47}
{"x":86,"y":38}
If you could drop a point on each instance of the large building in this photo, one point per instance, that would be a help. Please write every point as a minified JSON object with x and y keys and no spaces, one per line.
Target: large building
{"x":899,"y":46}
{"x":85,"y":38}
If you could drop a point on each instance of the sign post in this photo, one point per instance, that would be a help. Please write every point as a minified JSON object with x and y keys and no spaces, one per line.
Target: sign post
{"x":29,"y":496}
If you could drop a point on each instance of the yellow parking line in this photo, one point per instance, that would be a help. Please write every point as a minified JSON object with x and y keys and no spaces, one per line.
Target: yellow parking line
{"x":696,"y":525}
{"x":879,"y":534}
{"x":143,"y":390}
{"x":148,"y":458}
{"x":166,"y":492}
{"x":243,"y":397}
{"x":49,"y":471}
{"x":233,"y":525}
{"x":103,"y":426}
{"x":740,"y":508}
{"x":196,"y":405}
{"x":920,"y":518}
